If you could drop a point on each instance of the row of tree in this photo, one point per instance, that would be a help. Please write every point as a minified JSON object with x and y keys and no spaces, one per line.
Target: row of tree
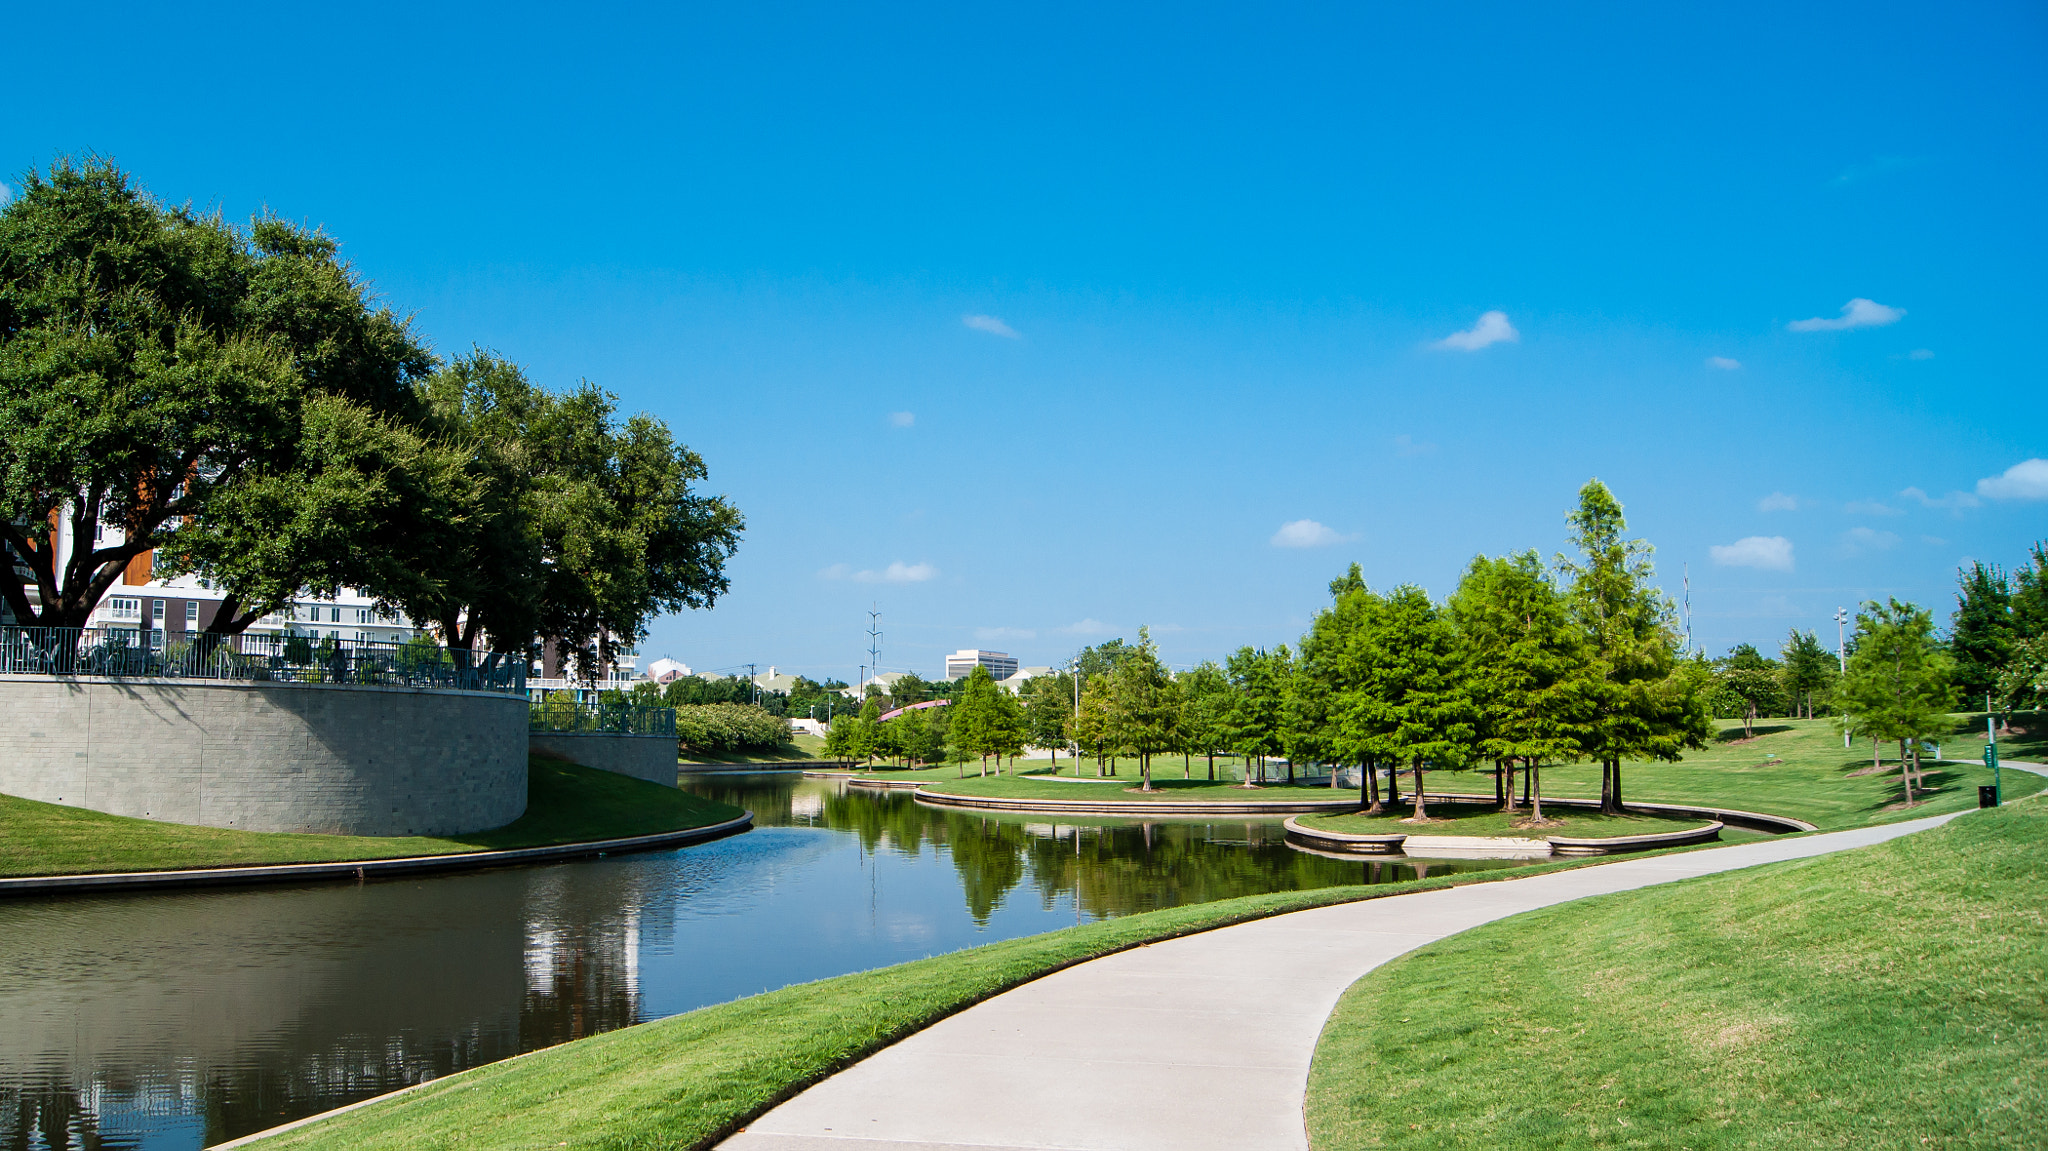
{"x":235,"y":401}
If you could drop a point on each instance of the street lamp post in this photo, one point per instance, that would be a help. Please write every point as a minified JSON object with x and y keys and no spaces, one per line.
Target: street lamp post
{"x":1842,"y":660}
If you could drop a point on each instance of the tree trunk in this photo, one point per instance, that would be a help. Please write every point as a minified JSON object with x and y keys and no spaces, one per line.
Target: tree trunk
{"x":1368,"y":788}
{"x":1606,"y":786}
{"x":1749,"y":720}
{"x":1533,"y":779}
{"x":1421,"y":812}
{"x":1528,"y":764}
{"x":1503,"y":787}
{"x":1620,"y":807}
{"x":1145,"y":771}
{"x":1905,"y":771}
{"x":1212,"y":765}
{"x":1393,"y":784}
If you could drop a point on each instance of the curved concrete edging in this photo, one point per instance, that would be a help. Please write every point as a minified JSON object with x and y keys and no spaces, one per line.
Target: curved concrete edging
{"x":1615,"y":844}
{"x":1169,"y":1045}
{"x":362,"y":868}
{"x":1323,"y":841}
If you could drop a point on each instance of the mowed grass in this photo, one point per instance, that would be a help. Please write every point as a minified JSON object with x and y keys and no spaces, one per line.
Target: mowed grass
{"x":1798,"y":768}
{"x":1124,"y":788}
{"x":566,"y":803}
{"x":1892,"y":996}
{"x":1484,"y":819}
{"x":688,"y":1081}
{"x":801,"y":748}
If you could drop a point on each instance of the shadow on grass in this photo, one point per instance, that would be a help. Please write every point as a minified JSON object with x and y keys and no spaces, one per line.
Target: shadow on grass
{"x":1734,"y":734}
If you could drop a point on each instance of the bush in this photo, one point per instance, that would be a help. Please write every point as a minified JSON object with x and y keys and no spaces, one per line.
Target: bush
{"x":728,"y":727}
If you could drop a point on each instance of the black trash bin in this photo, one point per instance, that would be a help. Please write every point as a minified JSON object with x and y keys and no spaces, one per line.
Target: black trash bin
{"x":1987,"y":796}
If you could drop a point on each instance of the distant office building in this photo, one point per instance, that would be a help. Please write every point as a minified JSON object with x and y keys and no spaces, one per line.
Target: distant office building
{"x":1000,"y":664}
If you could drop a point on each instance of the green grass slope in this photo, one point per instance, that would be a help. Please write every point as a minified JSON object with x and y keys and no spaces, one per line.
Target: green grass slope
{"x":566,"y":803}
{"x":1894,"y":996}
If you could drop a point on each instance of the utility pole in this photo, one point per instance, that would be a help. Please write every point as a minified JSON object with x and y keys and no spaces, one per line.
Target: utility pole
{"x":1842,"y":660}
{"x":1687,"y":569}
{"x":754,"y":682}
{"x":1991,"y":751}
{"x":874,"y":642}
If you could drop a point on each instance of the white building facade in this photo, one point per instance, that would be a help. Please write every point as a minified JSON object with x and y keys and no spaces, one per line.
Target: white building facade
{"x":1000,"y":664}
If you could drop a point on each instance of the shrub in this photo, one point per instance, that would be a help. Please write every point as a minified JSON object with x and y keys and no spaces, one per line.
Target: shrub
{"x":728,"y":727}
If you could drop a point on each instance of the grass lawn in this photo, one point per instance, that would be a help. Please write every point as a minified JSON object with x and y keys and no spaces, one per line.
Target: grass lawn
{"x":1893,"y":996}
{"x":800,"y":748}
{"x":688,"y":1081}
{"x":1792,"y":767}
{"x":565,"y":804}
{"x":1178,"y":790}
{"x":1485,"y":819}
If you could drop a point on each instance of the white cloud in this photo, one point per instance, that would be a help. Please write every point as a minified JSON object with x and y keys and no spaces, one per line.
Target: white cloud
{"x":1770,"y":553}
{"x":999,"y":634}
{"x":1085,"y":627}
{"x":1872,"y":508}
{"x":1778,"y":502}
{"x":1405,"y":445}
{"x":898,"y":572}
{"x":1306,"y":534}
{"x":992,"y":326}
{"x":1857,"y":313}
{"x":1934,"y":541}
{"x":1920,"y":354}
{"x":1724,"y":363}
{"x":1860,"y":540}
{"x":2026,"y":480}
{"x":902,"y":419}
{"x":1492,"y":328}
{"x":1951,"y":500}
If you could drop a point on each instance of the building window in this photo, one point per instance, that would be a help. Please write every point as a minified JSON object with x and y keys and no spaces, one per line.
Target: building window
{"x":191,"y":614}
{"x":121,"y":607}
{"x":156,"y":614}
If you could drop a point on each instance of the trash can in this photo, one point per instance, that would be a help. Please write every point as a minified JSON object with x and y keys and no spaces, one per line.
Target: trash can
{"x":1987,"y":796}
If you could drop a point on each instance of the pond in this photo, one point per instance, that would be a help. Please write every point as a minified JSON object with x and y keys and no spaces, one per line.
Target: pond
{"x":176,"y":1020}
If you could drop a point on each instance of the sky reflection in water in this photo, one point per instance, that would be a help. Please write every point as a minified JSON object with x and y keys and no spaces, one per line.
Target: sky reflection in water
{"x":173,"y":1021}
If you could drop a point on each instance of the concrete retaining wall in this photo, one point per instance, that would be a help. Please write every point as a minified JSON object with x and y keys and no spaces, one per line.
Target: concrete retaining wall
{"x":347,"y":760}
{"x":648,"y":757}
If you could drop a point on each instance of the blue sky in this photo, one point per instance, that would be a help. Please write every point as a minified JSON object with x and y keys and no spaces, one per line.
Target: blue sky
{"x":1034,"y":324}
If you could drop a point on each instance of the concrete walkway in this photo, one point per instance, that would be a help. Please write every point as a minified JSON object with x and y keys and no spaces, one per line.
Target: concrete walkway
{"x":1201,"y":1042}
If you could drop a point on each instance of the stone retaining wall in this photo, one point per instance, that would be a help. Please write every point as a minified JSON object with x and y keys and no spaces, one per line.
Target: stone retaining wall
{"x":340,"y":759}
{"x":648,"y":757}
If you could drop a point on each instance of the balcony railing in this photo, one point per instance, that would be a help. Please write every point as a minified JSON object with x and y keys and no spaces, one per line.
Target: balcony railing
{"x":129,"y":653}
{"x":561,"y":715}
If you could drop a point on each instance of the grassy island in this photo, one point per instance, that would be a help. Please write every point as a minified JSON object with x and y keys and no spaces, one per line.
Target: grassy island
{"x":565,"y":804}
{"x":1484,"y":819}
{"x":1889,"y":996}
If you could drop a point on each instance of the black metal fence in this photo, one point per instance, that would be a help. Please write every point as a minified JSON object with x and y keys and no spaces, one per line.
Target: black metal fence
{"x":562,"y":715}
{"x":130,"y":653}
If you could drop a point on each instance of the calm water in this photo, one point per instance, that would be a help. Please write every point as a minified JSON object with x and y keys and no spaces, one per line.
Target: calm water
{"x":178,"y":1020}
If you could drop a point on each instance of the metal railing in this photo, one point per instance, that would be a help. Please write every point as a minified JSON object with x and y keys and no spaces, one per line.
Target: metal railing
{"x":130,"y":653}
{"x":561,"y":715}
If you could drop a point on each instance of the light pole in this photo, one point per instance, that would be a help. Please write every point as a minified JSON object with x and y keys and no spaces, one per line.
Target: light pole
{"x":1842,"y":660}
{"x":1991,"y":751}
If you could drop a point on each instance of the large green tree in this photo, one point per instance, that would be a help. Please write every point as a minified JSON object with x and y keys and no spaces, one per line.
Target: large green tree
{"x":1523,"y":653}
{"x":1205,"y":703}
{"x":1258,"y":679}
{"x":1983,"y":630}
{"x":1419,"y":700}
{"x":1631,"y":705}
{"x":1899,"y":685}
{"x":1808,"y":669}
{"x":232,"y":399}
{"x":577,"y":528}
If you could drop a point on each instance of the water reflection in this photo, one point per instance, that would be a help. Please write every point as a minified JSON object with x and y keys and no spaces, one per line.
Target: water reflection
{"x":178,"y":1020}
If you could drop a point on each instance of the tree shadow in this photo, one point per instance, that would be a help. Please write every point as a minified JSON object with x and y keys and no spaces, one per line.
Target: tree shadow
{"x":1734,"y":734}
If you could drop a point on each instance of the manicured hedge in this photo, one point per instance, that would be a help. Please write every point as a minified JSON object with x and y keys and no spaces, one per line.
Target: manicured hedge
{"x":725,"y":727}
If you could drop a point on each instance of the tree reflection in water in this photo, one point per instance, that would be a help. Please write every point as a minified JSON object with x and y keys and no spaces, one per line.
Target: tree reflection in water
{"x":166,"y":1022}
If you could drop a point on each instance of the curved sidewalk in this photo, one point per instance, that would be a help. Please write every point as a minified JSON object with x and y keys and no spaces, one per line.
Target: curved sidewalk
{"x":1201,"y":1042}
